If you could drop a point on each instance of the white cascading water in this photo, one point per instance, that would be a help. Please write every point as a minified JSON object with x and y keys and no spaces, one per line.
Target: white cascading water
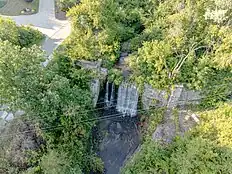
{"x":112,"y":95}
{"x":127,"y":99}
{"x":107,"y":102}
{"x":122,"y":90}
{"x":133,"y":100}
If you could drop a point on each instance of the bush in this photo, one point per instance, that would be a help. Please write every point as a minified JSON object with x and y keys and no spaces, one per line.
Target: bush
{"x":64,"y":5}
{"x":207,"y":149}
{"x":29,"y":36}
{"x":115,"y":76}
{"x":15,"y":145}
{"x":22,"y":36}
{"x":9,"y":31}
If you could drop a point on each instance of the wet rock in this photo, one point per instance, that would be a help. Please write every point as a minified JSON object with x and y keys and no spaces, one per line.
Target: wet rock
{"x":19,"y":113}
{"x":153,"y":97}
{"x":115,"y":128}
{"x":95,"y":89}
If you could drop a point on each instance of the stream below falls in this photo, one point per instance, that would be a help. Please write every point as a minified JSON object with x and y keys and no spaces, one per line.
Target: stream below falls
{"x":117,"y":135}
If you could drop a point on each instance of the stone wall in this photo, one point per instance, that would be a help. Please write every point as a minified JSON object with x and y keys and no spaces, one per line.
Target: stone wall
{"x":95,"y":83}
{"x":95,"y":89}
{"x":189,"y":97}
{"x":6,"y":116}
{"x":153,"y":97}
{"x":179,"y":96}
{"x":174,"y":97}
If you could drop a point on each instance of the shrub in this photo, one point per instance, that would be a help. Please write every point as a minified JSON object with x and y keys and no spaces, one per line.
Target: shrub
{"x":66,"y":4}
{"x":29,"y":36}
{"x":19,"y":35}
{"x":9,"y":31}
{"x":206,"y":149}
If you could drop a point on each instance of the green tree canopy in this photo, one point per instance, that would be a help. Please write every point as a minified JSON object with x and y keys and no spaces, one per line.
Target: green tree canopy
{"x":58,"y":102}
{"x":180,"y":45}
{"x":19,"y":35}
{"x":99,"y":27}
{"x":20,"y":70}
{"x":206,"y":149}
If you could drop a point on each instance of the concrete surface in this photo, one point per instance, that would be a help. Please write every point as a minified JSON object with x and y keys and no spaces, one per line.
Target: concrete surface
{"x":54,"y":30}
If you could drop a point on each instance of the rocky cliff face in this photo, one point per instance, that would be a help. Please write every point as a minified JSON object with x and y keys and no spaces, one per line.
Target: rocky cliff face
{"x":128,"y":95}
{"x":179,"y":96}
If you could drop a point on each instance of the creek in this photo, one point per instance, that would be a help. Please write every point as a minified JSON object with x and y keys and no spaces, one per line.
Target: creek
{"x":117,"y":136}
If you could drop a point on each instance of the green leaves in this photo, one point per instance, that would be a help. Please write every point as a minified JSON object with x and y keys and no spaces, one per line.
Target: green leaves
{"x":64,"y":5}
{"x":179,"y":46}
{"x":154,"y":63}
{"x":17,"y":68}
{"x":29,"y":36}
{"x":206,"y":149}
{"x":57,"y":162}
{"x":100,"y":26}
{"x":115,"y":76}
{"x":9,"y":31}
{"x":19,"y":35}
{"x":56,"y":98}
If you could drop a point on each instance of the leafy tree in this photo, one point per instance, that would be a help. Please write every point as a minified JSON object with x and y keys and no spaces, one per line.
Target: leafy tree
{"x":55,"y":162}
{"x":220,"y":12}
{"x":153,"y":63}
{"x":29,"y":36}
{"x":8,"y":31}
{"x":18,"y":70}
{"x":19,"y":35}
{"x":206,"y":149}
{"x":180,"y":46}
{"x":16,"y":145}
{"x":64,"y":5}
{"x":59,"y":105}
{"x":100,"y":26}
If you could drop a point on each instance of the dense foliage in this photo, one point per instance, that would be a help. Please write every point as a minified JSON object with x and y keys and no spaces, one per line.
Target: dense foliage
{"x":19,"y":35}
{"x":181,"y":45}
{"x":206,"y":149}
{"x":100,"y":26}
{"x":171,"y":42}
{"x":64,"y":5}
{"x":57,"y":100}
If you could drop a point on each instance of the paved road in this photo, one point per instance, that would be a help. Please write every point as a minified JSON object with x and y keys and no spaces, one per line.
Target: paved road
{"x":55,"y":30}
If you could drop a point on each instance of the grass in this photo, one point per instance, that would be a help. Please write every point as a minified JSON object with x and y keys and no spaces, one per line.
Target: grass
{"x":14,"y":7}
{"x":2,"y":3}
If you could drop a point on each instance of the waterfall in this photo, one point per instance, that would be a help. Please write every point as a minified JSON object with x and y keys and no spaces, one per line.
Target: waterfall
{"x":107,"y":102}
{"x":133,"y":100}
{"x":122,"y":90}
{"x":127,"y":100}
{"x":112,"y":95}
